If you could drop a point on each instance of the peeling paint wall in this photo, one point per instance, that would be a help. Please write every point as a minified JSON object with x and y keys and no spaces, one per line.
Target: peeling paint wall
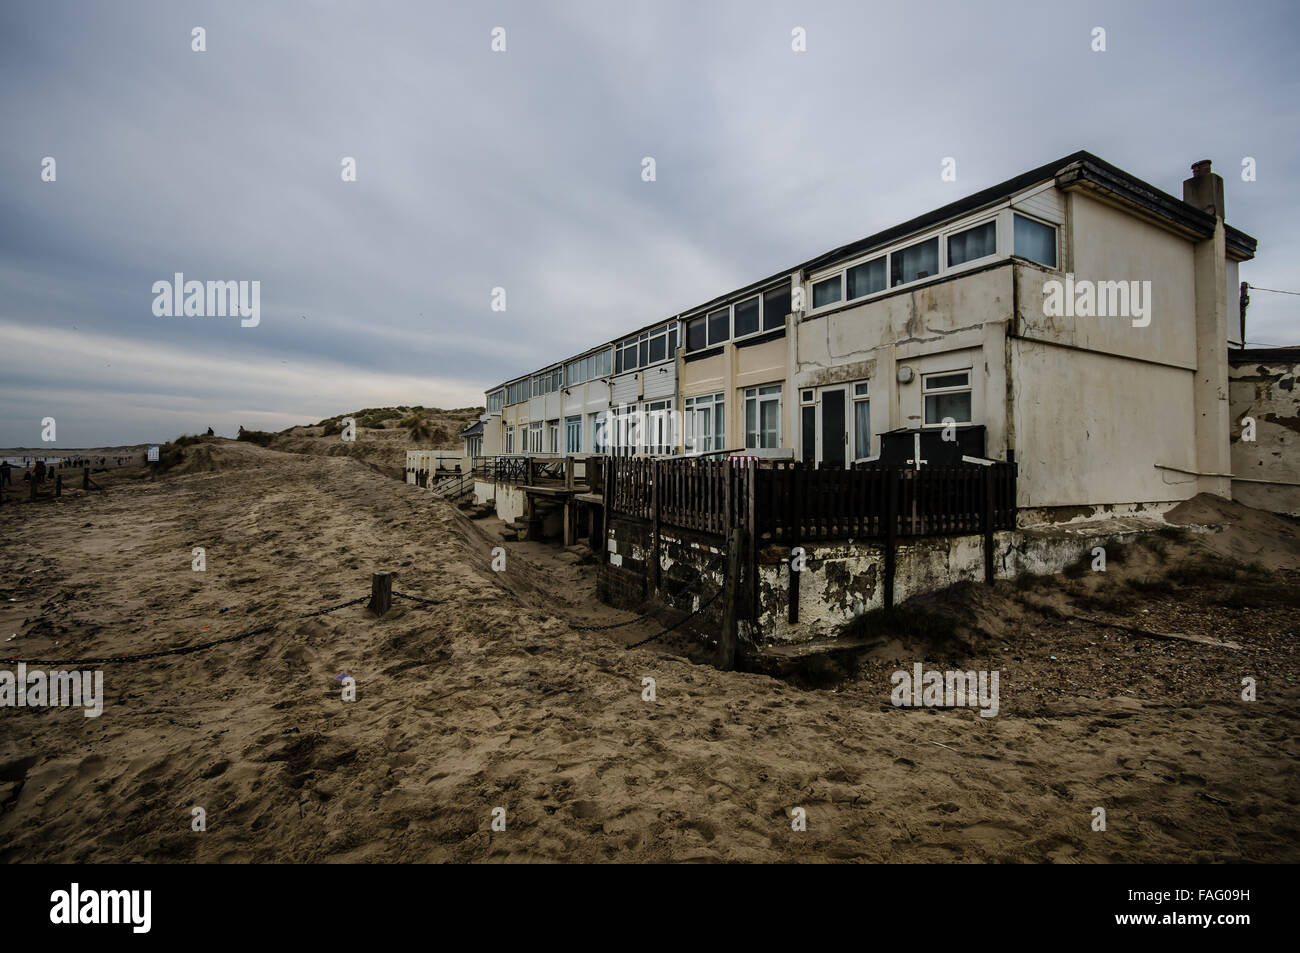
{"x":1266,"y":472}
{"x":840,"y":580}
{"x":843,"y":580}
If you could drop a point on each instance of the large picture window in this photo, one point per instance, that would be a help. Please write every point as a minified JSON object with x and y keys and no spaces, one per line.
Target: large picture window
{"x":763,"y":417}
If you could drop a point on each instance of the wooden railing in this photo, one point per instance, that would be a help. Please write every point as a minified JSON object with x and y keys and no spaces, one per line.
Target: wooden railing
{"x":785,"y":500}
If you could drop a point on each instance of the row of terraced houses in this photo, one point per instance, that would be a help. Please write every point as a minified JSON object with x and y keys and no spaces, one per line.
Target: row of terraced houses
{"x":1073,"y":319}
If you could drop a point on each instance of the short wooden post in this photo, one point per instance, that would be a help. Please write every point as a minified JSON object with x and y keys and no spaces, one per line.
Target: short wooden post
{"x":798,"y":488}
{"x":85,"y":478}
{"x":569,"y":521}
{"x":655,"y":473}
{"x":608,"y":476}
{"x":32,"y":486}
{"x":58,"y":484}
{"x":751,"y":541}
{"x":727,"y":636}
{"x":988,"y":525}
{"x":891,"y":533}
{"x":381,"y":592}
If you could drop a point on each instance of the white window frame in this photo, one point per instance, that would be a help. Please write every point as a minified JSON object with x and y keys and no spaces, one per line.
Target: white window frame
{"x":761,"y":394}
{"x":534,"y":438}
{"x":995,"y":214}
{"x":634,"y":343}
{"x":1056,"y":235}
{"x":855,"y":397}
{"x":705,"y":406}
{"x":927,"y":391}
{"x":945,"y":265}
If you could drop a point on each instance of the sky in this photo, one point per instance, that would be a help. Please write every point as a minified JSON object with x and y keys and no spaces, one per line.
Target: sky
{"x":522,"y":170}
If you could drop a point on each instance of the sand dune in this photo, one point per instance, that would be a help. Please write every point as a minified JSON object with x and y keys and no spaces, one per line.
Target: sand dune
{"x":490,"y":700}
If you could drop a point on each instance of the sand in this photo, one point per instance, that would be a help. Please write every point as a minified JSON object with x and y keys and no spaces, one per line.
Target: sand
{"x":489,"y":700}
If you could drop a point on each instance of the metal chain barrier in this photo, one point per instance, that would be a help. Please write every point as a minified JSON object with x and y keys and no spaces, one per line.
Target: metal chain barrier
{"x":703,"y":605}
{"x":420,"y":599}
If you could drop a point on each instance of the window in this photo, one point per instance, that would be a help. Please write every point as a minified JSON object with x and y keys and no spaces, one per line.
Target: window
{"x":827,"y":292}
{"x":719,"y":326}
{"x":776,"y":306}
{"x":657,"y":427}
{"x":947,"y":395}
{"x":807,"y":396}
{"x":510,"y":440}
{"x":867,"y":278}
{"x":599,"y":433}
{"x":1035,"y":241}
{"x":914,"y":262}
{"x":588,"y":368}
{"x":647,"y":348}
{"x":495,"y":401}
{"x":517,"y":392}
{"x":573,"y":434}
{"x":624,"y":431}
{"x":972,"y":243}
{"x":696,"y":335}
{"x":553,"y":436}
{"x":547,"y":382}
{"x":705,"y":423}
{"x":746,"y":317}
{"x":534,"y":438}
{"x":763,"y":417}
{"x":861,"y":422}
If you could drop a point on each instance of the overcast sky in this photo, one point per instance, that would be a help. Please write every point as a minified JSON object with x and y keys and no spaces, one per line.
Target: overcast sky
{"x":522,"y":170}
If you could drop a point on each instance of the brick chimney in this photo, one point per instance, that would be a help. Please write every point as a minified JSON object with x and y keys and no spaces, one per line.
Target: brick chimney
{"x":1204,"y":189}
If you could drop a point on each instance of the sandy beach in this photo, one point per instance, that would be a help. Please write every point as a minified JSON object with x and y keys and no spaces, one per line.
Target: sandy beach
{"x":490,"y":700}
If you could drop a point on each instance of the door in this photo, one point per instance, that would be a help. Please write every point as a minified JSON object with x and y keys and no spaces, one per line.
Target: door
{"x":833,"y":433}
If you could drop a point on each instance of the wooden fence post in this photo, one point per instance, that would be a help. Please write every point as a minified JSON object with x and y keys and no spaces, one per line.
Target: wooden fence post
{"x":85,"y":478}
{"x":752,"y":540}
{"x":58,"y":484}
{"x":608,"y":476}
{"x":726,"y":658}
{"x":988,"y":525}
{"x":891,"y":533}
{"x":655,"y":497}
{"x":797,"y":487}
{"x":381,"y":592}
